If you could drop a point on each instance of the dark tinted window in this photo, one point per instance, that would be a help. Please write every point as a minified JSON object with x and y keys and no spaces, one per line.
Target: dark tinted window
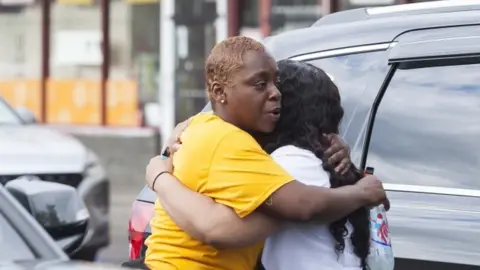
{"x":358,"y":77}
{"x":12,"y":246}
{"x":427,"y":130}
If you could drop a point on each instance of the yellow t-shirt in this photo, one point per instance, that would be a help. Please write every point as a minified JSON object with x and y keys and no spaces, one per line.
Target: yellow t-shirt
{"x":227,"y":164}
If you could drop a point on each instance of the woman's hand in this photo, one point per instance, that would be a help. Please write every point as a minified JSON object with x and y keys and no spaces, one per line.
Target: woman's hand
{"x":162,"y":163}
{"x":338,"y":153}
{"x":175,"y":141}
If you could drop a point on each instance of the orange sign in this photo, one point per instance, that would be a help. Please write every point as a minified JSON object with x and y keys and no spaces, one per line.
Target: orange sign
{"x":76,"y":101}
{"x":122,"y":104}
{"x":22,"y":93}
{"x":73,"y":102}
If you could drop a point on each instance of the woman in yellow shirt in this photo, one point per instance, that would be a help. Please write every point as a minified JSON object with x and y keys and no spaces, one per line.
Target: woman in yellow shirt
{"x":221,"y":158}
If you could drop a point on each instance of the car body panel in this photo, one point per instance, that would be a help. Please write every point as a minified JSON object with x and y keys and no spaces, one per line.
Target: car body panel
{"x":95,"y":191}
{"x":37,"y":238}
{"x":436,"y":43}
{"x":36,"y":150}
{"x":57,"y":265}
{"x":435,"y":227}
{"x":146,"y":195}
{"x":315,"y":39}
{"x":48,"y":254}
{"x":433,"y":223}
{"x":57,"y":157}
{"x":429,"y":7}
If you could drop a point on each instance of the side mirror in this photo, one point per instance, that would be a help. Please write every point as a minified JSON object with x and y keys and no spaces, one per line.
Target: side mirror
{"x":27,"y":116}
{"x":57,"y":207}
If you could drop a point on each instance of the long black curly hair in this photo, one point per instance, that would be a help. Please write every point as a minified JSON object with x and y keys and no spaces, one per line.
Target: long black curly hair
{"x":311,"y":108}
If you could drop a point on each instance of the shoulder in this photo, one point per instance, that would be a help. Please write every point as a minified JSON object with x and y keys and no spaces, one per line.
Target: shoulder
{"x":239,"y":142}
{"x":202,"y":117}
{"x":240,"y":138}
{"x":202,"y":137}
{"x":302,"y":164}
{"x":206,"y":138}
{"x":207,"y":128}
{"x":291,"y":155}
{"x":294,"y":151}
{"x":209,"y":132}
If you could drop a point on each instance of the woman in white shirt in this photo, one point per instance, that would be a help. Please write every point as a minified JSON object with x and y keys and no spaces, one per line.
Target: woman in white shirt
{"x":311,"y":108}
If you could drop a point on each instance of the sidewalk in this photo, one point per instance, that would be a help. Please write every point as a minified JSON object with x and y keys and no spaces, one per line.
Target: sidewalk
{"x":124,"y":152}
{"x":86,"y":130}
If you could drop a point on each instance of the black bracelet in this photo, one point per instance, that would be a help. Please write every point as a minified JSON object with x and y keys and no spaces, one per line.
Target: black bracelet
{"x":156,"y":177}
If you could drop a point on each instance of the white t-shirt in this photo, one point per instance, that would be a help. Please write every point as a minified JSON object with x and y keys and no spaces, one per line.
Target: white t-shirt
{"x":305,"y":246}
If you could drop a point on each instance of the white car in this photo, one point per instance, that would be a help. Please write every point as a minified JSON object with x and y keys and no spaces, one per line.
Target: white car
{"x":30,"y":149}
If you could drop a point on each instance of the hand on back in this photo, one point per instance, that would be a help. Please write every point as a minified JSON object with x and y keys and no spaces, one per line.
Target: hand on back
{"x":159,"y":164}
{"x":338,"y":154}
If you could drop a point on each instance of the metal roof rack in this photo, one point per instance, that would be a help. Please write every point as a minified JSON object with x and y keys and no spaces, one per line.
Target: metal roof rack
{"x":362,"y":14}
{"x":422,"y":6}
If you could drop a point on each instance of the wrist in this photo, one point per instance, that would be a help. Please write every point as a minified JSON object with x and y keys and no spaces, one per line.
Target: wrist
{"x":165,"y":185}
{"x":156,"y":180}
{"x":358,"y":194}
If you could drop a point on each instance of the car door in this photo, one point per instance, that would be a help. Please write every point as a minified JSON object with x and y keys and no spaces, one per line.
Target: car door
{"x":356,"y":72}
{"x":423,"y":142}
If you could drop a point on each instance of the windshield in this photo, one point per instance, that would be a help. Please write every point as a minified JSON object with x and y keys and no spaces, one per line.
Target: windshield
{"x":12,"y":246}
{"x":7,"y":114}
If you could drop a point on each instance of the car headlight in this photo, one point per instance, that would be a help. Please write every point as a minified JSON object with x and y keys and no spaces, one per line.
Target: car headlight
{"x":93,"y":168}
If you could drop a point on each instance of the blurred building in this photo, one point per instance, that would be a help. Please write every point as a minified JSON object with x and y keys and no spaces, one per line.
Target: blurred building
{"x":74,"y":93}
{"x":260,"y":18}
{"x":254,"y":18}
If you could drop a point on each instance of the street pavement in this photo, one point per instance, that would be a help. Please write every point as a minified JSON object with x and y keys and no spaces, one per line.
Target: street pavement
{"x":124,"y":154}
{"x":121,"y":203}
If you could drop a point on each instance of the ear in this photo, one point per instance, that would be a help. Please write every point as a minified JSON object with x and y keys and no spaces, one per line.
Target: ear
{"x":217,"y":92}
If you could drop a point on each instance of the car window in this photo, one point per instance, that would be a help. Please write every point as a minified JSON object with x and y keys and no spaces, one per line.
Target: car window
{"x":7,"y":115}
{"x":358,"y":77}
{"x":12,"y":246}
{"x":427,"y":128}
{"x":207,"y":107}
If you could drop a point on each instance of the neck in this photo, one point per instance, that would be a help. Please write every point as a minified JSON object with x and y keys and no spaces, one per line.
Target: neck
{"x":225,"y":117}
{"x":259,"y":137}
